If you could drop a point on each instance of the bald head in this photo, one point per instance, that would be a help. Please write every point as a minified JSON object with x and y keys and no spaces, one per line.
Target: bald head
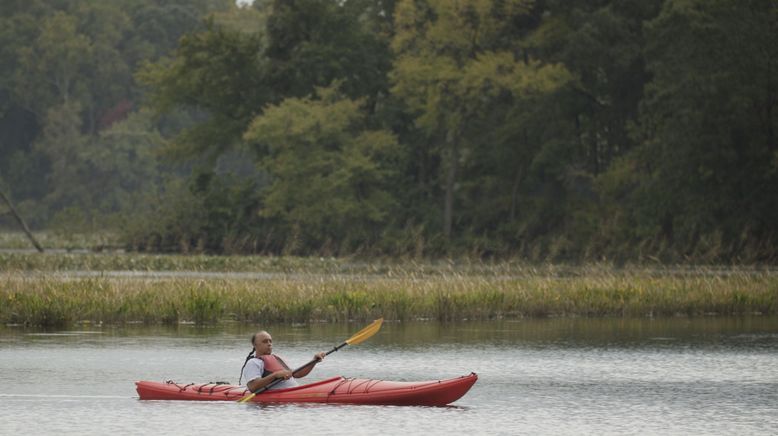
{"x":262,"y":342}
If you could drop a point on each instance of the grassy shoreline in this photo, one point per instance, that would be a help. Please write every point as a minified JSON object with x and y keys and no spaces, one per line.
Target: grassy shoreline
{"x":59,"y":289}
{"x":308,"y":290}
{"x":11,"y":261}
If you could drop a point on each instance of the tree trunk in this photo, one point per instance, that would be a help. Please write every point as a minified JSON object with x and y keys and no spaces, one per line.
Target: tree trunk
{"x":452,"y":147}
{"x":515,"y":193}
{"x":21,"y":222}
{"x":771,"y":143}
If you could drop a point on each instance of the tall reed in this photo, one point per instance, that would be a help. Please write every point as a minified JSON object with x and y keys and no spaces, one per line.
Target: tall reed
{"x":56,"y":300}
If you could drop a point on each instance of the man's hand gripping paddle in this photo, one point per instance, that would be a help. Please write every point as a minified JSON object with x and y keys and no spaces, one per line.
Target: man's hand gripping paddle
{"x":361,"y":336}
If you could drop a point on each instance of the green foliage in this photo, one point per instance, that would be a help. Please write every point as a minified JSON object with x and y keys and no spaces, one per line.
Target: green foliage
{"x":328,"y":171}
{"x":202,"y":306}
{"x":705,"y":134}
{"x":170,"y":219}
{"x":215,"y":72}
{"x":553,"y":130}
{"x":312,"y":43}
{"x":456,"y":69}
{"x":402,"y":292}
{"x":66,"y":77}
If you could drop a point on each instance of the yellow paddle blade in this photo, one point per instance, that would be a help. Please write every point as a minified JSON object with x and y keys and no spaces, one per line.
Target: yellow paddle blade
{"x":246,"y":398}
{"x":366,"y":332}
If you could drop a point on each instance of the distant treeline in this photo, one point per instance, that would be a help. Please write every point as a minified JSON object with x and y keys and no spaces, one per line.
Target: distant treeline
{"x":548,"y":129}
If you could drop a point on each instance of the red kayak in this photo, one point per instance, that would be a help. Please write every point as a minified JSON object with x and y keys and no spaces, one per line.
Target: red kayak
{"x":336,"y":390}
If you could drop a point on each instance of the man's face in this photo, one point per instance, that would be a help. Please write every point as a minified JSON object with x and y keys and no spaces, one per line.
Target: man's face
{"x":263,"y":343}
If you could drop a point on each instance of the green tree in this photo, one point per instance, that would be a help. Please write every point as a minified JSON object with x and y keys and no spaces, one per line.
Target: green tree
{"x":457,"y":64}
{"x":65,"y":149}
{"x":225,"y":78}
{"x":704,"y":179}
{"x":158,"y":26}
{"x":60,"y":57}
{"x":329,"y":173}
{"x":218,"y":76}
{"x":312,"y":43}
{"x":52,"y":68}
{"x":573,"y":135}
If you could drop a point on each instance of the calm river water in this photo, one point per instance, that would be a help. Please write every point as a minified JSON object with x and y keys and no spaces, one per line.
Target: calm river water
{"x":553,"y":376}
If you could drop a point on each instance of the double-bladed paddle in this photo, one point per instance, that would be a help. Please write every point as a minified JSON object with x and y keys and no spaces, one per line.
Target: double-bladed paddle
{"x":358,"y":337}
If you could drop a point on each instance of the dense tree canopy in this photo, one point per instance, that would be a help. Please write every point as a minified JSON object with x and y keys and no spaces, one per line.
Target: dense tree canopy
{"x":66,"y":78}
{"x":565,"y":130}
{"x":706,"y":156}
{"x":329,"y":173}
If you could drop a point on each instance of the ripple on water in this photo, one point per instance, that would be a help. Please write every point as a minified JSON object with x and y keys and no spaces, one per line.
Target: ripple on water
{"x":688,"y":380}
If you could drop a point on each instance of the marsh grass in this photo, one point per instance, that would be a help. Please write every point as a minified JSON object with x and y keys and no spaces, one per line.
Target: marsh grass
{"x":401,"y":292}
{"x":403,"y":268}
{"x":60,"y":240}
{"x":58,"y":261}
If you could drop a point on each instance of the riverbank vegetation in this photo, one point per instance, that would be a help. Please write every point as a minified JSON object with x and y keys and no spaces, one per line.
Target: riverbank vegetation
{"x":59,"y":241}
{"x":637,"y":130}
{"x":396,"y":291}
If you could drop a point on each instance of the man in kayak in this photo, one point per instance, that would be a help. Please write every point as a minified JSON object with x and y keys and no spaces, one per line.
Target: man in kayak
{"x":263,"y":367}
